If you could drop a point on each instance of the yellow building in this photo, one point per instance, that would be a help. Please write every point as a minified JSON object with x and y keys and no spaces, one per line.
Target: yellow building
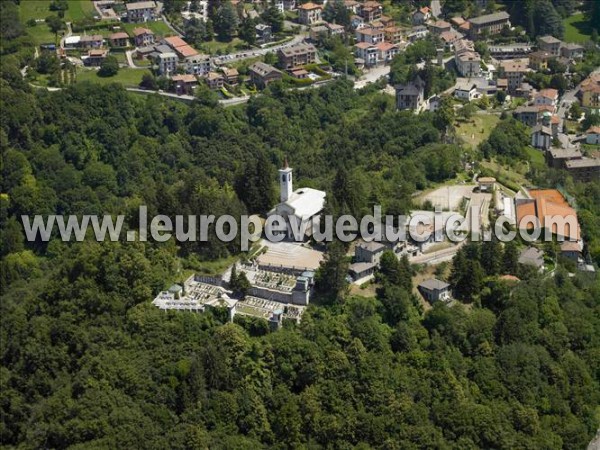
{"x":590,"y":91}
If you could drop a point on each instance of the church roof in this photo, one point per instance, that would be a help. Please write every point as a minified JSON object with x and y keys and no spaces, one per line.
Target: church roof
{"x":306,"y":202}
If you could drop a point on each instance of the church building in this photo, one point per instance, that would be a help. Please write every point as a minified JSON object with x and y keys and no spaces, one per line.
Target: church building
{"x":305,"y":204}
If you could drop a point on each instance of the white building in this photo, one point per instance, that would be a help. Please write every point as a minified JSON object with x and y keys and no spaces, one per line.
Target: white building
{"x":300,"y":208}
{"x":466,"y":91}
{"x":167,"y":63}
{"x":468,"y":64}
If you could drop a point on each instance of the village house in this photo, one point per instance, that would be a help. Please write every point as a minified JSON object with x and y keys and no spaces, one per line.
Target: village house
{"x":590,"y":91}
{"x":439,"y":27}
{"x":318,"y":33}
{"x":434,"y":290}
{"x":304,"y":204}
{"x":120,"y":39}
{"x":418,"y":32}
{"x":571,"y":250}
{"x":548,"y":97}
{"x":466,"y":91}
{"x":367,"y":52}
{"x":140,"y":11}
{"x":421,"y":15}
{"x":532,"y":257}
{"x":514,"y":71}
{"x":449,"y":38}
{"x":197,"y":64}
{"x":584,"y":170}
{"x":410,"y":96}
{"x":558,"y":157}
{"x":298,"y":73}
{"x":549,"y":44}
{"x":488,"y":24}
{"x":539,"y":60}
{"x":468,"y":64}
{"x":184,"y":84}
{"x":231,"y":76}
{"x":366,"y":256}
{"x":592,"y":136}
{"x":309,"y":13}
{"x":296,"y":55}
{"x":261,"y":74}
{"x":95,"y":57}
{"x":386,"y":51}
{"x":529,"y":115}
{"x":571,"y":51}
{"x":541,"y":137}
{"x":143,"y":37}
{"x":393,"y":35}
{"x":92,"y":41}
{"x":370,"y":10}
{"x":264,"y":33}
{"x":335,"y":29}
{"x":351,"y":6}
{"x":214,"y":80}
{"x":369,"y":35}
{"x":167,"y":63}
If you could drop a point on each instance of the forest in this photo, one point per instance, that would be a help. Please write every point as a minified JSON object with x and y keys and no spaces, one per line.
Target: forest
{"x":88,"y":362}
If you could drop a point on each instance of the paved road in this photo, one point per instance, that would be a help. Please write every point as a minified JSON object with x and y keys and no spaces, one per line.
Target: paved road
{"x":437,"y":257}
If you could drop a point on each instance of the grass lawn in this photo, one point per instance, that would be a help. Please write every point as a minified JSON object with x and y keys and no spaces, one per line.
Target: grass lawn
{"x":213,"y":47}
{"x":80,"y":9}
{"x":127,"y":77}
{"x":159,"y":27}
{"x":477,"y":128}
{"x":536,"y":157}
{"x":577,"y":28}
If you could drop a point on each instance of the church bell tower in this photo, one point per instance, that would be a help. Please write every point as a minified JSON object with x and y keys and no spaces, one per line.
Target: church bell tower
{"x":285,"y":182}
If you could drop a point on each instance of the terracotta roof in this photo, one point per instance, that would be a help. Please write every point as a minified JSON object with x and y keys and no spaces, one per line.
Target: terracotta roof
{"x":509,"y":278}
{"x":369,"y":31}
{"x":547,"y":203}
{"x":175,"y":41}
{"x":570,"y":246}
{"x":119,"y":35}
{"x":363,"y":45}
{"x":140,"y":31}
{"x":186,"y":51}
{"x":310,"y":6}
{"x":440,"y":24}
{"x":593,"y":130}
{"x":549,"y":93}
{"x":186,"y":78}
{"x":385,"y":46}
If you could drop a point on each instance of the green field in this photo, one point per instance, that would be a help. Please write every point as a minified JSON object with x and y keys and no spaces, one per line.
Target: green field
{"x":577,"y":28}
{"x":127,"y":77}
{"x":477,"y":128}
{"x":40,"y":9}
{"x":80,"y":9}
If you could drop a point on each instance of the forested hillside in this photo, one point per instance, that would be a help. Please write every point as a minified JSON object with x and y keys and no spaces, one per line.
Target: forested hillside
{"x":88,"y":362}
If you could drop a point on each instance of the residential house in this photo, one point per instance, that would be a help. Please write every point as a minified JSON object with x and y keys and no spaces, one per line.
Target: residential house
{"x":367,"y":256}
{"x":298,"y":73}
{"x":261,"y":74}
{"x":548,"y":97}
{"x":592,"y":136}
{"x":140,"y":11}
{"x":541,"y":137}
{"x":393,"y":35}
{"x":539,"y":60}
{"x":457,"y":21}
{"x":488,"y":24}
{"x":370,"y":10}
{"x":197,"y":63}
{"x":335,"y":29}
{"x":318,"y":33}
{"x":143,"y":37}
{"x":571,"y":250}
{"x":387,"y":21}
{"x":357,"y":22}
{"x":95,"y":57}
{"x":571,"y":51}
{"x":93,"y":41}
{"x":549,"y":44}
{"x":410,"y":96}
{"x":387,"y":51}
{"x":184,"y":84}
{"x":167,"y":63}
{"x":558,"y":157}
{"x":434,"y":290}
{"x":463,"y":45}
{"x":310,"y":13}
{"x":526,"y":91}
{"x":120,"y":39}
{"x":351,"y":6}
{"x":231,"y":76}
{"x":590,"y":91}
{"x":514,"y":71}
{"x":466,"y":91}
{"x":449,"y":38}
{"x":421,"y":15}
{"x":529,"y":115}
{"x":532,"y":257}
{"x":551,"y":212}
{"x":585,"y":169}
{"x":296,"y":55}
{"x":468,"y":64}
{"x":369,"y":35}
{"x":439,"y":27}
{"x":367,"y":52}
{"x":214,"y":80}
{"x":264,"y":33}
{"x":418,"y":32}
